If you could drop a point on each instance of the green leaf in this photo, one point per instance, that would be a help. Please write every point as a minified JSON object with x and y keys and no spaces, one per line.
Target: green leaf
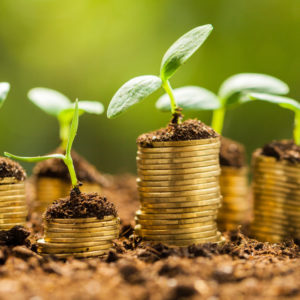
{"x":34,"y":158}
{"x":73,"y":130}
{"x":132,"y":92}
{"x":190,"y":98}
{"x":183,"y":49}
{"x":50,"y":101}
{"x":4,"y":89}
{"x":235,"y":86}
{"x":284,"y":102}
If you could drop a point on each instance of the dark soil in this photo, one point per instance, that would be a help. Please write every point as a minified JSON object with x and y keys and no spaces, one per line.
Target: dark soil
{"x":10,"y":168}
{"x":188,"y":130}
{"x":241,"y":268}
{"x":57,"y":169}
{"x":81,"y":205}
{"x":14,"y":237}
{"x":283,"y":150}
{"x":232,"y":153}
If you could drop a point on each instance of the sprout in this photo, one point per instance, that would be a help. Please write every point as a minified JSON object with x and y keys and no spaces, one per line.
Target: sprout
{"x":284,"y":102}
{"x":67,"y":158}
{"x":4,"y":89}
{"x":59,"y":106}
{"x":231,"y":93}
{"x":138,"y":88}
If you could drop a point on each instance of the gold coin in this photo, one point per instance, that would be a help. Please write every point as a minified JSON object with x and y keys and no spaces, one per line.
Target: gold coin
{"x":12,"y":187}
{"x":12,"y":198}
{"x":276,"y":177}
{"x":202,"y":191}
{"x":167,"y":167}
{"x":141,"y":215}
{"x":178,"y":188}
{"x":12,"y":193}
{"x":177,"y":226}
{"x":175,"y":177}
{"x":42,"y":243}
{"x":187,"y":148}
{"x":208,"y":141}
{"x":174,"y":221}
{"x":10,"y":226}
{"x":273,"y":195}
{"x":213,"y":167}
{"x":204,"y":197}
{"x":231,"y":171}
{"x":182,"y":183}
{"x":276,"y":204}
{"x":182,"y":204}
{"x":79,"y":239}
{"x":164,"y":161}
{"x":76,"y":230}
{"x":179,"y":210}
{"x":13,"y":215}
{"x":8,"y":180}
{"x":146,"y":232}
{"x":11,"y":204}
{"x":176,"y":155}
{"x":83,"y":225}
{"x":66,"y":234}
{"x":11,"y":209}
{"x":83,"y":220}
{"x":81,"y":255}
{"x":12,"y":220}
{"x":175,"y":237}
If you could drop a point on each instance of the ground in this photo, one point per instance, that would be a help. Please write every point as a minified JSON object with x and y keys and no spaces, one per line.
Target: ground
{"x":242,"y":268}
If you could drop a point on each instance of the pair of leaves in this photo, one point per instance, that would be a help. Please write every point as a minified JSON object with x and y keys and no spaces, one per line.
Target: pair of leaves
{"x":4,"y":89}
{"x":58,"y":105}
{"x":231,"y":92}
{"x":137,"y":89}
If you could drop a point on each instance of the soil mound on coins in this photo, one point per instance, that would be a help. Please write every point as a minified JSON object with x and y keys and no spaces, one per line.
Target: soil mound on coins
{"x":10,"y":168}
{"x":232,"y":153}
{"x":283,"y":150}
{"x":188,"y":130}
{"x":56,"y":168}
{"x":81,"y":205}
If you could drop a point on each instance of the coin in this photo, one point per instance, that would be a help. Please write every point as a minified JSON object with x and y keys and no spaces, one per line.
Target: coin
{"x":179,"y":210}
{"x":182,"y":204}
{"x":182,"y":183}
{"x":204,"y":197}
{"x":64,"y":234}
{"x":81,"y":255}
{"x":42,"y":242}
{"x":11,"y":204}
{"x":175,"y":237}
{"x":8,"y":180}
{"x":142,"y":231}
{"x":79,"y":239}
{"x":12,"y":209}
{"x":12,"y":193}
{"x":81,"y":230}
{"x":12,"y":187}
{"x":142,"y":215}
{"x":229,"y":171}
{"x":193,"y":159}
{"x":174,"y":221}
{"x":177,"y":226}
{"x":50,"y":249}
{"x":186,"y":142}
{"x":83,"y":225}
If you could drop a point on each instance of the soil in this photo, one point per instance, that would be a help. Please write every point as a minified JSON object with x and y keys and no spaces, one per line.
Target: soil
{"x":10,"y":168}
{"x":241,"y":268}
{"x":187,"y":130}
{"x":283,"y":150}
{"x":56,"y":168}
{"x":232,"y":153}
{"x":81,"y":205}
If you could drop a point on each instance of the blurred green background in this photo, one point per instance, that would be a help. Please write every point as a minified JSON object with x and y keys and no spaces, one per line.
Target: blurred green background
{"x":89,"y":48}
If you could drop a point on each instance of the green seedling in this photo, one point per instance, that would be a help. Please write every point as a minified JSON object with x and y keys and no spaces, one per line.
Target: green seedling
{"x":231,"y":93}
{"x":4,"y":89}
{"x":67,"y":158}
{"x":138,"y":88}
{"x":59,"y":106}
{"x":284,"y":102}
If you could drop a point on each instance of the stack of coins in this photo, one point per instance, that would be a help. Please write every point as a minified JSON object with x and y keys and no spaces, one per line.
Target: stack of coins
{"x":84,"y":237}
{"x":49,"y":189}
{"x":236,"y":206}
{"x":179,"y":192}
{"x":276,"y":199}
{"x":13,"y":209}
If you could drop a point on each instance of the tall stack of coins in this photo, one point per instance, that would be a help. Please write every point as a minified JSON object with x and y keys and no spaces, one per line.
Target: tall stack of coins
{"x":179,"y":191}
{"x":236,"y":207}
{"x":13,"y":209}
{"x":84,"y":237}
{"x":49,"y":189}
{"x":276,"y":199}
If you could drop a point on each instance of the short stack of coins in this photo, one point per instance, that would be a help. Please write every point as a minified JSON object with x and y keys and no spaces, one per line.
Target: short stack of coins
{"x":13,"y":209}
{"x":179,"y":191}
{"x":236,"y":206}
{"x":276,"y":199}
{"x":83,"y":237}
{"x":54,"y":188}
